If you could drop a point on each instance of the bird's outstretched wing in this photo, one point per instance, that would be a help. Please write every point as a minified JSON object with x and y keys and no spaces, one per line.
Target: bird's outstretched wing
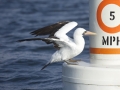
{"x":59,"y":43}
{"x":66,"y":28}
{"x":56,"y":41}
{"x":49,"y":30}
{"x":35,"y":39}
{"x":56,"y":31}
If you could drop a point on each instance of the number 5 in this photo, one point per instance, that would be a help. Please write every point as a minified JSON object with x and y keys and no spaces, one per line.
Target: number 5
{"x":112,"y":15}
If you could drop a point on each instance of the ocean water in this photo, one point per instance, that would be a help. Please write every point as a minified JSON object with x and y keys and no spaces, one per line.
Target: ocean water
{"x":20,"y":63}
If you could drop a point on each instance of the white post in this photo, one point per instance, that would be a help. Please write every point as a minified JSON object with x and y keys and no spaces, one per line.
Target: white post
{"x":105,"y":21}
{"x":103,"y":71}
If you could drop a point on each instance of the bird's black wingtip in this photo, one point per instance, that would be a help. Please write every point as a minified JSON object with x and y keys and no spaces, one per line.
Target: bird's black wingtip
{"x":20,"y":40}
{"x":63,"y":22}
{"x":33,"y":33}
{"x":50,"y":29}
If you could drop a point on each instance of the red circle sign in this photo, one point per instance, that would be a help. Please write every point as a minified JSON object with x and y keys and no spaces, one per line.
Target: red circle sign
{"x":99,"y":18}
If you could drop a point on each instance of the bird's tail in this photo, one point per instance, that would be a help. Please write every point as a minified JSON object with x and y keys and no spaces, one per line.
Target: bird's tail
{"x":45,"y":66}
{"x":30,"y":39}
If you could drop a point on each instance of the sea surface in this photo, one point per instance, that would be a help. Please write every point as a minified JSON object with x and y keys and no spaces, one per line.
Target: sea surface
{"x":20,"y":63}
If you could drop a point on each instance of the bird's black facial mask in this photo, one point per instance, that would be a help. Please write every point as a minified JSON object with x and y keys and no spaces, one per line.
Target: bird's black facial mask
{"x":84,"y":32}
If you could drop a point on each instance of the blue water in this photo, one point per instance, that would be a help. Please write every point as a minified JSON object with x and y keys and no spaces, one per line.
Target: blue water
{"x":20,"y":63}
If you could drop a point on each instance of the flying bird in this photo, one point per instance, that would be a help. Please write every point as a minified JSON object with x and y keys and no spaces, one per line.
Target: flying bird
{"x":67,"y":48}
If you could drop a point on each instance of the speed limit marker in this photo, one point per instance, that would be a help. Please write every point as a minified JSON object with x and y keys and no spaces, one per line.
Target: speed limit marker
{"x":109,"y":12}
{"x":104,"y":19}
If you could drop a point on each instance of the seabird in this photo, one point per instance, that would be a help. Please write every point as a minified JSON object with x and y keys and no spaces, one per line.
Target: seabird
{"x":67,"y":48}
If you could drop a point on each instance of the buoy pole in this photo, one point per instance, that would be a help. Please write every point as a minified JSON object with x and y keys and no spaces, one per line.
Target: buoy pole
{"x":104,"y":19}
{"x":103,"y":71}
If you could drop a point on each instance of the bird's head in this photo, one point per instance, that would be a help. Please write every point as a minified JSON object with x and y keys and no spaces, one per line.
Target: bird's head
{"x":82,"y":31}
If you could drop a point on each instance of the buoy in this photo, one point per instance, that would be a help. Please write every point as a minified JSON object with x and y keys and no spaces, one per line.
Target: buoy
{"x":103,"y":71}
{"x":105,"y":21}
{"x":86,"y":76}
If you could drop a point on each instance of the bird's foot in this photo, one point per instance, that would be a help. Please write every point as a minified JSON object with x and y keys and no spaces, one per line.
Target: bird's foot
{"x":72,"y":62}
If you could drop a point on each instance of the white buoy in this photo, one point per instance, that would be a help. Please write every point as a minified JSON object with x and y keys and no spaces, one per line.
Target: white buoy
{"x":103,"y":71}
{"x":86,"y":76}
{"x":104,"y":19}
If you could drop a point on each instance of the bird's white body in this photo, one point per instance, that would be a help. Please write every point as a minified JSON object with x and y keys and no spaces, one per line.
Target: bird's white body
{"x":69,"y":48}
{"x":66,"y":53}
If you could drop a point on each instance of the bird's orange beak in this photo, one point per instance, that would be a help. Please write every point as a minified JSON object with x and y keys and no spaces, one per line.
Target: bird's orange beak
{"x":89,"y":33}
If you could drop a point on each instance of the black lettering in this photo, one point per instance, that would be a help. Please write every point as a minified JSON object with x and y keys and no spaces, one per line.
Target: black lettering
{"x":118,"y":40}
{"x":112,"y":15}
{"x":105,"y":41}
{"x":111,"y":40}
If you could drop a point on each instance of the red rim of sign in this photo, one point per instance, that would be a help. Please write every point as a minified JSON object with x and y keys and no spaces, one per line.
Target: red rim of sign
{"x":99,"y":18}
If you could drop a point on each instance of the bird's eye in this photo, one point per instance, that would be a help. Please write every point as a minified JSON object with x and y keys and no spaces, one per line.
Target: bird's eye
{"x":84,"y":32}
